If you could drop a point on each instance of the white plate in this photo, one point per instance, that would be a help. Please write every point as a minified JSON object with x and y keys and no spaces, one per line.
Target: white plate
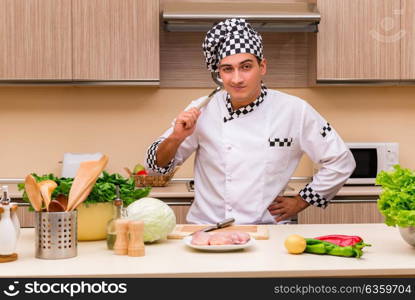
{"x":188,"y":242}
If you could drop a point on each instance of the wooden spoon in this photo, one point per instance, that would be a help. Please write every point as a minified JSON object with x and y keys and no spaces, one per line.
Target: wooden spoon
{"x":33,"y":192}
{"x":46,"y":189}
{"x":55,"y":206}
{"x":84,"y":181}
{"x":63,"y":200}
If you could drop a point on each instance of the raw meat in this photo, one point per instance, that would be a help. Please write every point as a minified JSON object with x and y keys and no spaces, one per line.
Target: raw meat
{"x":239,"y":237}
{"x":221,"y":238}
{"x":201,"y":238}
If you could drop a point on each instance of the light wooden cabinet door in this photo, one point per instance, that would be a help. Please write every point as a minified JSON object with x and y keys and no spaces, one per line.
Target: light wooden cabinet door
{"x":35,"y":40}
{"x":116,"y":40}
{"x":408,"y":40}
{"x":359,"y":40}
{"x":342,"y":213}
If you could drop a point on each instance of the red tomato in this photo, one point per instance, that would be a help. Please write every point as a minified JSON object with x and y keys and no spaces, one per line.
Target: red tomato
{"x":142,"y":172}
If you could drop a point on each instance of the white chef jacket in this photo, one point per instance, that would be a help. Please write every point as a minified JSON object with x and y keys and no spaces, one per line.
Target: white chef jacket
{"x":243,"y":164}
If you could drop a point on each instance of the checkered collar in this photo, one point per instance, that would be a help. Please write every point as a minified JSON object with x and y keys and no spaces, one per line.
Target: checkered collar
{"x":233,"y":114}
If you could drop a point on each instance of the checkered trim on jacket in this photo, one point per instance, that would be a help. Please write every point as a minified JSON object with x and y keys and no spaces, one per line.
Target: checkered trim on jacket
{"x":152,"y":160}
{"x":285,"y":142}
{"x":230,"y":37}
{"x":325,"y":130}
{"x":312,"y":197}
{"x":233,"y":114}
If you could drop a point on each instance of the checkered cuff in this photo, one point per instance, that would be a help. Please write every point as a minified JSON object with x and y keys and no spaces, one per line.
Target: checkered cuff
{"x":152,"y":160}
{"x":312,"y":197}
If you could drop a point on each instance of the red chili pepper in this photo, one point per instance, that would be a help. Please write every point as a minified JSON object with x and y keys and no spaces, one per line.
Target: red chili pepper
{"x":341,"y":240}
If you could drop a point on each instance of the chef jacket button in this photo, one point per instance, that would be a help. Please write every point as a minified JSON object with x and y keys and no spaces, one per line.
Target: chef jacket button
{"x":229,"y":147}
{"x":228,"y":207}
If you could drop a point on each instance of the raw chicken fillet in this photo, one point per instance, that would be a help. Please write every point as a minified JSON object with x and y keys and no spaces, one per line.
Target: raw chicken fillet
{"x":220,"y":238}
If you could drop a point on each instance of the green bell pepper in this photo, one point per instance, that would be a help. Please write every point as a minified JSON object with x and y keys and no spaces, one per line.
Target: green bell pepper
{"x":321,"y":247}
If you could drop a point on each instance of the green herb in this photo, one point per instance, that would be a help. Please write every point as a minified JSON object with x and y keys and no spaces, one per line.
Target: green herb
{"x":104,"y":189}
{"x":397,"y":200}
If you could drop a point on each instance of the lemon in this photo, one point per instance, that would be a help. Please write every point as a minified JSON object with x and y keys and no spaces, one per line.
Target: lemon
{"x":295,"y":244}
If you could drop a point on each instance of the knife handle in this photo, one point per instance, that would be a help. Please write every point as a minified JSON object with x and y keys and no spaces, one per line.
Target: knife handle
{"x":225,"y":223}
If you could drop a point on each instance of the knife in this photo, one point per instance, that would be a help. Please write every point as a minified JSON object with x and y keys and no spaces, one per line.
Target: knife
{"x":222,"y":224}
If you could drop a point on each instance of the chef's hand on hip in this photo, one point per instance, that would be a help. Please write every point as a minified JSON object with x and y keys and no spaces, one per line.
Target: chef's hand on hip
{"x":286,"y":207}
{"x":185,"y":123}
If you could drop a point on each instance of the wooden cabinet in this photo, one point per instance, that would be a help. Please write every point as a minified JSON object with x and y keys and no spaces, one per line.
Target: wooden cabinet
{"x":116,"y":40}
{"x":35,"y":40}
{"x":78,"y":40}
{"x":408,"y":40}
{"x":360,"y":39}
{"x":342,"y":213}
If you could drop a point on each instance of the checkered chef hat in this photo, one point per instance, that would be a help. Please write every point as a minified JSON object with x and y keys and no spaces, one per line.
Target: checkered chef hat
{"x":230,"y":37}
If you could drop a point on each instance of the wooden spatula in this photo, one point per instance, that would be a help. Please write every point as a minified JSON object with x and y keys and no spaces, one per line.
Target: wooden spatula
{"x":33,"y":192}
{"x":46,"y":189}
{"x":85,"y":179}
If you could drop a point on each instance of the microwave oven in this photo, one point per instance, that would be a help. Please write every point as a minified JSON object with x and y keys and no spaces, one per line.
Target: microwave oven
{"x":371,"y":158}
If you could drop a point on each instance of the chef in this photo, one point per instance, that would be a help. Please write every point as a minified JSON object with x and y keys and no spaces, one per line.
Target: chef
{"x":249,"y":140}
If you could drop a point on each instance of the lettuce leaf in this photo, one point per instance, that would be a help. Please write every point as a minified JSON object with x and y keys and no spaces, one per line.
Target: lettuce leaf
{"x":397,"y":200}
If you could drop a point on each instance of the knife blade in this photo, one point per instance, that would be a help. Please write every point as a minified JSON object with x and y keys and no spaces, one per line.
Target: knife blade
{"x":222,"y":224}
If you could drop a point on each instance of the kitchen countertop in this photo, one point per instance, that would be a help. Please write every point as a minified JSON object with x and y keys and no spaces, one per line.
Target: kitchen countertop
{"x":388,"y":256}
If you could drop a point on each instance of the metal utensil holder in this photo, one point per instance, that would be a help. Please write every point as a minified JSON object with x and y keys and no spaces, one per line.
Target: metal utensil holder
{"x":56,"y":234}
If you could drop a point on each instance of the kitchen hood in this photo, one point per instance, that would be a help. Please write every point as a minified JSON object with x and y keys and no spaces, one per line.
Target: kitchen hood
{"x":264,"y":17}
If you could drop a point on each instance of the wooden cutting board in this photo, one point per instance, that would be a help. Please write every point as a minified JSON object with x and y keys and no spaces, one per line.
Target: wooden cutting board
{"x":258,"y":232}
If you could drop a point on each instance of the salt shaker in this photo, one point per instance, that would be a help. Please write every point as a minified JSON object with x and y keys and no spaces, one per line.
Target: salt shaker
{"x":136,"y":243}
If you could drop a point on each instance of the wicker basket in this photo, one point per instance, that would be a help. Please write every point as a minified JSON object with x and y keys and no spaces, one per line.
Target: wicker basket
{"x":151,"y":180}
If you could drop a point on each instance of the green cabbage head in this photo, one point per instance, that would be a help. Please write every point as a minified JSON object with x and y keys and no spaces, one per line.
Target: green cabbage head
{"x":159,"y":219}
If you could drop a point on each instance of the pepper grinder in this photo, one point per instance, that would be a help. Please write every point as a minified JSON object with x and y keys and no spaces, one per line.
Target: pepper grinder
{"x":136,"y":243}
{"x":121,"y":240}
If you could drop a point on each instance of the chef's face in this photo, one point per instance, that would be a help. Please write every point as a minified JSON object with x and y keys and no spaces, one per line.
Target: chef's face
{"x":241,"y":75}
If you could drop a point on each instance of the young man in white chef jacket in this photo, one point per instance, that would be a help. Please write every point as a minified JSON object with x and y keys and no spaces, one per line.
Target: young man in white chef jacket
{"x":249,"y":140}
